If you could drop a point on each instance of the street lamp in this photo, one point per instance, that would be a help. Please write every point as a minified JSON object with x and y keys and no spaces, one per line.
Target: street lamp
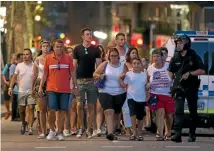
{"x":37,"y":18}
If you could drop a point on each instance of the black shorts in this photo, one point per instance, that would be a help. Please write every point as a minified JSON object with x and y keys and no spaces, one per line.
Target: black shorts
{"x":6,"y":96}
{"x":114,"y":102}
{"x":136,"y":109}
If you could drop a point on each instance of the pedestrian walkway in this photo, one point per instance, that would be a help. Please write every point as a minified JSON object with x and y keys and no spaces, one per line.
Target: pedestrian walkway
{"x":3,"y":110}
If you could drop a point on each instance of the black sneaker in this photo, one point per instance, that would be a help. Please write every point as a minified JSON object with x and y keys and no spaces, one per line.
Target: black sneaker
{"x":177,"y":137}
{"x":192,"y":138}
{"x":111,"y":137}
{"x":118,"y":132}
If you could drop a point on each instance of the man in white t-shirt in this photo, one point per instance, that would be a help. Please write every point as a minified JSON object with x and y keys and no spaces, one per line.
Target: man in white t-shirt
{"x":23,"y":75}
{"x":120,"y":45}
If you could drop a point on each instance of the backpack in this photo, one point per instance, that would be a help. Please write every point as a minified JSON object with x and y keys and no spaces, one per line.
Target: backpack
{"x":7,"y":76}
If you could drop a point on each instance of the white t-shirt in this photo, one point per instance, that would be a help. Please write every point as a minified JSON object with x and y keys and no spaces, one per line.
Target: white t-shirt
{"x":160,"y":80}
{"x":25,"y":73}
{"x":123,"y":58}
{"x":112,"y":85}
{"x":136,"y":86}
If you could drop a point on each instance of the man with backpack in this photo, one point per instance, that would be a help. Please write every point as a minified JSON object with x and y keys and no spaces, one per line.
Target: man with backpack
{"x":6,"y":81}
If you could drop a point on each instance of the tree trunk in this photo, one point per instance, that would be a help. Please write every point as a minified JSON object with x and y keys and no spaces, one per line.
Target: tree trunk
{"x":10,"y":38}
{"x":29,"y":21}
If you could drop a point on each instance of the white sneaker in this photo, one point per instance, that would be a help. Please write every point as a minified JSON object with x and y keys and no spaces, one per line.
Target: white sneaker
{"x":60,"y":137}
{"x":99,"y":132}
{"x":41,"y":136}
{"x":51,"y":135}
{"x":103,"y":130}
{"x":73,"y":132}
{"x":66,"y":133}
{"x":79,"y":134}
{"x":30,"y":131}
{"x":94,"y":133}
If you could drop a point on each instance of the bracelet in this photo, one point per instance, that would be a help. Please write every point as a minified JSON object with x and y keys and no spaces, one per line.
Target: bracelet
{"x":9,"y":88}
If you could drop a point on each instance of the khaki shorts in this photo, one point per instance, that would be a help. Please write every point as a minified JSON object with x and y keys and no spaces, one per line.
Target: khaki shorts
{"x":25,"y":99}
{"x":87,"y":91}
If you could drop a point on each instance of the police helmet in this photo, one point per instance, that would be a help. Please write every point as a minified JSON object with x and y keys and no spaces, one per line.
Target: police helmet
{"x":185,"y":39}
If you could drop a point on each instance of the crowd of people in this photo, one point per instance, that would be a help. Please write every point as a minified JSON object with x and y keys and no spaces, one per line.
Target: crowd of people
{"x":61,"y":85}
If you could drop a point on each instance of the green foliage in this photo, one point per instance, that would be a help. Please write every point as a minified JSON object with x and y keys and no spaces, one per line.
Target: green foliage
{"x":139,"y":29}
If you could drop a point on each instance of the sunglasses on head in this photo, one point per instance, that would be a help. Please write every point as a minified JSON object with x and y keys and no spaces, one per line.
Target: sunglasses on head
{"x":58,"y":65}
{"x":86,"y":51}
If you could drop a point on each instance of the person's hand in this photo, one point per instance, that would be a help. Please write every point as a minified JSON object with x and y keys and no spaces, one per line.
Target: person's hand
{"x":40,"y":92}
{"x":10,"y":92}
{"x":76,"y":91}
{"x":185,"y":76}
{"x":7,"y":83}
{"x":122,"y":75}
{"x":102,"y":76}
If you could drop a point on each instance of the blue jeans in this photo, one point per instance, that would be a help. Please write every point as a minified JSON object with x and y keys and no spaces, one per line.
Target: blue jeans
{"x":58,"y":101}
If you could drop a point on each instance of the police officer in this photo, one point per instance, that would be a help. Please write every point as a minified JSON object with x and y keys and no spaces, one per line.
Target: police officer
{"x":185,"y":67}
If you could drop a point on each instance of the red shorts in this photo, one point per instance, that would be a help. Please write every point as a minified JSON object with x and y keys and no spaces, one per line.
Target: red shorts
{"x":165,"y":102}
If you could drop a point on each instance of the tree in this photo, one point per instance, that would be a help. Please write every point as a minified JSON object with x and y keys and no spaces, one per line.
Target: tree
{"x":29,"y":23}
{"x":10,"y":37}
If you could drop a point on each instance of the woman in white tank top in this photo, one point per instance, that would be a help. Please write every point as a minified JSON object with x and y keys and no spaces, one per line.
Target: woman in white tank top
{"x":38,"y":69}
{"x":112,"y":96}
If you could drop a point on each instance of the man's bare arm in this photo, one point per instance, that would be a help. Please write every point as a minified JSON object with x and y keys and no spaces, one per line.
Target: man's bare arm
{"x":98,"y":62}
{"x":13,"y":81}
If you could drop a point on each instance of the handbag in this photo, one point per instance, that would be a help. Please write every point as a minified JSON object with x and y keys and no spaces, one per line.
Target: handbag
{"x":36,"y":88}
{"x":152,"y":102}
{"x":100,"y":83}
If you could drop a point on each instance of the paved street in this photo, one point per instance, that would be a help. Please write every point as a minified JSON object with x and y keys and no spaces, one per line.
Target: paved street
{"x":12,"y":140}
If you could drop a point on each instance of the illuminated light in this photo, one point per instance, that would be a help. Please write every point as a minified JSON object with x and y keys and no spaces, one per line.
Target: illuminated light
{"x":37,"y":18}
{"x":39,"y":38}
{"x":67,"y":41}
{"x":93,"y":42}
{"x":116,"y":28}
{"x":38,"y":7}
{"x":39,"y":2}
{"x":2,"y":29}
{"x":41,"y":9}
{"x":62,"y":35}
{"x":3,"y":11}
{"x":139,"y":41}
{"x":33,"y":49}
{"x":100,"y":34}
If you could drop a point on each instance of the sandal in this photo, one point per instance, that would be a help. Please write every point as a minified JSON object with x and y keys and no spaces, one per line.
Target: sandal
{"x":140,"y":138}
{"x":167,"y":138}
{"x":160,"y":138}
{"x":132,"y":137}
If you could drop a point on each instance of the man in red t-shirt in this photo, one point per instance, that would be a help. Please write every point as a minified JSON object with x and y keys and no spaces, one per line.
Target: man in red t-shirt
{"x":58,"y":69}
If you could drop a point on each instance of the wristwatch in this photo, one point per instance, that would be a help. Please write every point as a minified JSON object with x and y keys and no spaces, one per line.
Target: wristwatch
{"x":190,"y":73}
{"x":9,"y":88}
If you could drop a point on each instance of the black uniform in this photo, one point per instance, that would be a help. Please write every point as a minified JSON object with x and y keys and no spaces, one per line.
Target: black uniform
{"x":188,"y":89}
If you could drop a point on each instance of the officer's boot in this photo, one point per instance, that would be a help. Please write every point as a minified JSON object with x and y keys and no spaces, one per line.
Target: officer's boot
{"x":192,"y":136}
{"x":177,"y":137}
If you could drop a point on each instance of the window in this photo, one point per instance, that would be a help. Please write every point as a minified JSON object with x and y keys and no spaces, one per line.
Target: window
{"x":206,"y":51}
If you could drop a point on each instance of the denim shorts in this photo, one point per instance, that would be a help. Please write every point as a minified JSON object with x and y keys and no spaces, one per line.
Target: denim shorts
{"x":58,"y":101}
{"x":70,"y":101}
